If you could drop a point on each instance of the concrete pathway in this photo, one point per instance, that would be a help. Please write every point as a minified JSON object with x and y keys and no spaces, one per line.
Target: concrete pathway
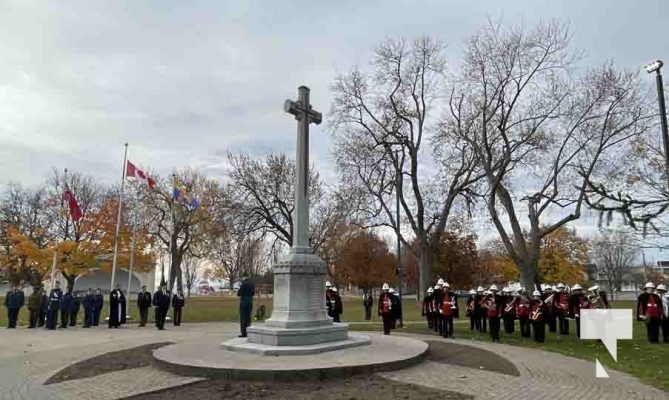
{"x":29,"y":357}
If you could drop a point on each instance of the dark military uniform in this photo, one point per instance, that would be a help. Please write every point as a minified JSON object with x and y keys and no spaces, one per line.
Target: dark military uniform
{"x":245,"y":293}
{"x":34,"y":307}
{"x":178,"y":303}
{"x":55,"y":299}
{"x":143,"y":305}
{"x":14,"y":300}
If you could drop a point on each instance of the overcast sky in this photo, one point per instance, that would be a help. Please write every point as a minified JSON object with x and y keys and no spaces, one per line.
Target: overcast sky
{"x":185,"y":81}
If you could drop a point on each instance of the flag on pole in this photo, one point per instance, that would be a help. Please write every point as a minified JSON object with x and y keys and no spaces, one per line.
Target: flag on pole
{"x":180,"y":196}
{"x":133,"y":172}
{"x":75,"y":210}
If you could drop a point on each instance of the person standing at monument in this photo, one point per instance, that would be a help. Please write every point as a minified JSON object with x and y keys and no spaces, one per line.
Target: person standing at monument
{"x":523,"y":313}
{"x":494,"y":304}
{"x":14,"y":300}
{"x":44,"y":310}
{"x":562,"y":309}
{"x":649,"y":309}
{"x":338,"y":307}
{"x":479,"y":310}
{"x":662,"y":292}
{"x":178,"y":303}
{"x":537,"y":316}
{"x":329,"y":299}
{"x":116,"y":307}
{"x":386,"y":308}
{"x":245,"y":293}
{"x":74,"y":309}
{"x":89,"y":308}
{"x":55,"y":298}
{"x":446,"y":312}
{"x":144,"y":302}
{"x":161,"y":302}
{"x":368,"y":303}
{"x":427,"y":307}
{"x":99,"y":303}
{"x":34,"y":306}
{"x":577,"y":302}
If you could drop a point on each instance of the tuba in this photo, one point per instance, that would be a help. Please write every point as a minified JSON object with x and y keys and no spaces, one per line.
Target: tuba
{"x":595,"y":298}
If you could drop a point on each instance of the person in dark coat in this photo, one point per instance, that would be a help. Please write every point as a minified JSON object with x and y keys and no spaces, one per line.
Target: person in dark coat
{"x":329,"y":299}
{"x":116,"y":307}
{"x":65,"y":307}
{"x":245,"y":293}
{"x":98,"y":304}
{"x":144,"y":302}
{"x":427,"y":309}
{"x":368,"y":303}
{"x":480,"y":311}
{"x":55,"y":299}
{"x":161,"y":302}
{"x":338,"y":306}
{"x":44,"y":310}
{"x":178,"y":303}
{"x":397,"y":308}
{"x":89,"y":308}
{"x":74,"y":309}
{"x":537,"y":314}
{"x":386,"y":308}
{"x":34,"y":306}
{"x":14,"y":300}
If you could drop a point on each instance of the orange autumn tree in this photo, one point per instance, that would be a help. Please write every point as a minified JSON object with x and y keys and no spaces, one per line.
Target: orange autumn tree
{"x":456,"y":258}
{"x":23,"y":260}
{"x":365,"y":261}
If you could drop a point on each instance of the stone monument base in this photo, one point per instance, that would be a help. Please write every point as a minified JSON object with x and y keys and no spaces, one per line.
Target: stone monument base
{"x":277,"y":336}
{"x":292,"y":342}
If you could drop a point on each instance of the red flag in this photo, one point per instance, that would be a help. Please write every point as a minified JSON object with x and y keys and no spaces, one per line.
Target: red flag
{"x":75,"y":210}
{"x":133,"y":172}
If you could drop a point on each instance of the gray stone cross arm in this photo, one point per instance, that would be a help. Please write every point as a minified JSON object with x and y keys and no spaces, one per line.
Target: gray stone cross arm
{"x":301,"y":107}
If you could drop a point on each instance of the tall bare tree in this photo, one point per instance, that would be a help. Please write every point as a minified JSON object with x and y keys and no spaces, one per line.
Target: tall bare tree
{"x":382,"y":121}
{"x":614,"y":253}
{"x":540,"y":129}
{"x":191,"y":271}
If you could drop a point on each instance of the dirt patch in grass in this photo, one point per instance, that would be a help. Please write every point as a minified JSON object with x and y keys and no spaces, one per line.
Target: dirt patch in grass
{"x":134,"y":357}
{"x":470,"y":357}
{"x":352,"y":388}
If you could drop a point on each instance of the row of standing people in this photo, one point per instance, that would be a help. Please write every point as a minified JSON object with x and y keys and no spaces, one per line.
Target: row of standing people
{"x":653,"y":308}
{"x":45,"y":310}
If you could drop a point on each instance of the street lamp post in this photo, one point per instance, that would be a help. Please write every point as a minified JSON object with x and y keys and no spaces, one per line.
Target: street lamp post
{"x":399,"y":254}
{"x":656,"y":67}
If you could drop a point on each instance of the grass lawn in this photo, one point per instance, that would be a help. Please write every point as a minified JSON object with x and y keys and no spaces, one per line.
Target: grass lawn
{"x":648,"y":362}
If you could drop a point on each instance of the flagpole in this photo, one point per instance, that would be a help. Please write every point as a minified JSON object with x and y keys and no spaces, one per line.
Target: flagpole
{"x":132,"y":262}
{"x":169,"y":275}
{"x":118,"y":219}
{"x":54,"y":264}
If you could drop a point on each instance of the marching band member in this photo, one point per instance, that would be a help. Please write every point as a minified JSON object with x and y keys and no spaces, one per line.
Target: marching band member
{"x":427,"y":307}
{"x":577,"y":302}
{"x":494,"y":304}
{"x":329,"y":298}
{"x":471,"y":300}
{"x":438,"y":294}
{"x":509,"y":311}
{"x":562,"y":309}
{"x":397,"y":308}
{"x":549,"y":310}
{"x":537,"y":314}
{"x":479,"y":310}
{"x":649,"y":309}
{"x":662,"y":291}
{"x":523,"y":313}
{"x":386,"y":308}
{"x":446,"y":312}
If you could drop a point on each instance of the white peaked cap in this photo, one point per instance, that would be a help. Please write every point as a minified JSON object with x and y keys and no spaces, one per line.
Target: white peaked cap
{"x":472,"y":291}
{"x":576,"y":287}
{"x":437,"y":286}
{"x":440,"y":282}
{"x":328,"y":284}
{"x":560,"y":285}
{"x":536,"y":293}
{"x":392,"y":290}
{"x":385,"y":287}
{"x":493,"y":287}
{"x":430,"y":290}
{"x":649,"y":285}
{"x":662,"y":287}
{"x":447,"y":285}
{"x":480,"y":289}
{"x":334,"y":289}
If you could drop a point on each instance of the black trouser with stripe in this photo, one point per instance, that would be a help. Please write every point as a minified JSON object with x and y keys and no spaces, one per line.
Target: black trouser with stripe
{"x":564,"y":326}
{"x":665,"y":330}
{"x":539,"y":331}
{"x":653,"y":329}
{"x":494,"y":328}
{"x":446,"y":329}
{"x":525,"y":327}
{"x":509,"y":324}
{"x":387,"y":323}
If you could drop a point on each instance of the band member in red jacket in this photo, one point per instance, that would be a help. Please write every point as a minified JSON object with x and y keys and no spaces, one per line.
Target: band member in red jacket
{"x":577,"y":302}
{"x":386,"y":308}
{"x":662,"y":292}
{"x":649,"y":309}
{"x":480,"y":310}
{"x":428,"y":303}
{"x":562,"y":309}
{"x":509,"y":311}
{"x":447,"y":312}
{"x":494,"y":304}
{"x":329,"y":299}
{"x":537,"y":315}
{"x":550,"y":314}
{"x":523,"y":313}
{"x":471,"y":300}
{"x":438,"y":294}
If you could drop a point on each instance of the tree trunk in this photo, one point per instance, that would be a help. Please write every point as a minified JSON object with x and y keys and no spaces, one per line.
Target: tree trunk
{"x":69,"y":278}
{"x":529,"y":276}
{"x":175,"y":272}
{"x":425,"y":270}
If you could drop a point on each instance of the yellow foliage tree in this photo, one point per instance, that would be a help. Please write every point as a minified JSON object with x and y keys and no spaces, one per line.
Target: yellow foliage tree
{"x":23,"y":260}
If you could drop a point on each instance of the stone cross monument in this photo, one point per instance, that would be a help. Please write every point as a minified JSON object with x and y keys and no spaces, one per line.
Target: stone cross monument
{"x":299,"y":323}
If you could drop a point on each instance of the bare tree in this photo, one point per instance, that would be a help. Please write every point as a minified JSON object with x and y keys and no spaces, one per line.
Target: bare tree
{"x":540,"y":130}
{"x":191,"y":271}
{"x":614,"y":253}
{"x":381,"y":122}
{"x":181,"y":226}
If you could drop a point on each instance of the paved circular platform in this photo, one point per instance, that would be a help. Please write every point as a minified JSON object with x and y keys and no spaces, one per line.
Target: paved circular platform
{"x":206,"y":358}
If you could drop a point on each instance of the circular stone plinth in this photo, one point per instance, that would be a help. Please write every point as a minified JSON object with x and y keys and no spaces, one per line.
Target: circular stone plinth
{"x":205,"y":358}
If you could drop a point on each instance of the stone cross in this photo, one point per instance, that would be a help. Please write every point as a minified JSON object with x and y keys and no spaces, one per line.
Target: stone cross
{"x":305,"y":115}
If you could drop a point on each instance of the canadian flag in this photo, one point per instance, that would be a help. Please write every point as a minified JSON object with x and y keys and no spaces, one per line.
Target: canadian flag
{"x":133,"y":172}
{"x":75,"y":210}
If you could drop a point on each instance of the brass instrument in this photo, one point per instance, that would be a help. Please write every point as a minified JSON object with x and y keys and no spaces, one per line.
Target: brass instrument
{"x":509,"y":308}
{"x":536,"y":314}
{"x":549,"y":300}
